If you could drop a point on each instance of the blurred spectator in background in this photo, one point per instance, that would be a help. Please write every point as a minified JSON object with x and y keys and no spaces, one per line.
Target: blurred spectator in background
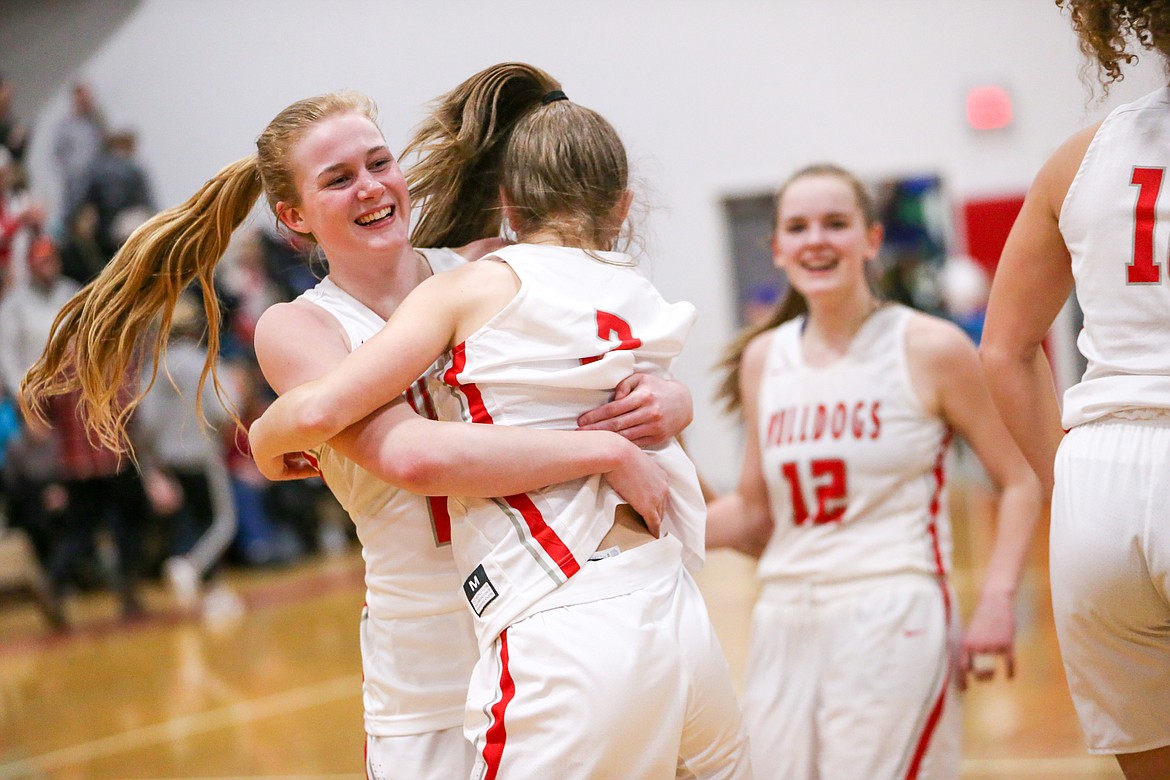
{"x":27,"y":311}
{"x":293,"y":263}
{"x":247,"y":290}
{"x":263,"y":537}
{"x":103,"y":490}
{"x":14,"y":134}
{"x":81,"y":257}
{"x":76,"y":146}
{"x":184,"y":467}
{"x":35,"y":495}
{"x":20,"y":216}
{"x":119,"y":190}
{"x":72,"y":486}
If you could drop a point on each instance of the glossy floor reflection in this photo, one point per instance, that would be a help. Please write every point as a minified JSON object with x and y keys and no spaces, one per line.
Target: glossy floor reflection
{"x":275,"y":693}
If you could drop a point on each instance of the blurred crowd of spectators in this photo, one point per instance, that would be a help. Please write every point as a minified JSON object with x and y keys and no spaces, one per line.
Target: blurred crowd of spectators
{"x":194,"y":502}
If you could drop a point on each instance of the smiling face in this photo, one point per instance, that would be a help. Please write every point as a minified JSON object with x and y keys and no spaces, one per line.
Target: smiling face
{"x":353,"y":197}
{"x":822,"y":241}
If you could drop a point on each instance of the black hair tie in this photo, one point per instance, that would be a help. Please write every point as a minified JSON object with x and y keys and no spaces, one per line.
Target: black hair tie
{"x":553,"y":96}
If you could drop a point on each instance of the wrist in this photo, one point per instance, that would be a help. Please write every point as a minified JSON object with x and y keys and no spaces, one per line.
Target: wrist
{"x":998,"y":590}
{"x":620,"y":450}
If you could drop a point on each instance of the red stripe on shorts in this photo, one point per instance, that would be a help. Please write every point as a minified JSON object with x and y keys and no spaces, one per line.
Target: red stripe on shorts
{"x":937,"y":710}
{"x":928,"y":731}
{"x":497,"y":734}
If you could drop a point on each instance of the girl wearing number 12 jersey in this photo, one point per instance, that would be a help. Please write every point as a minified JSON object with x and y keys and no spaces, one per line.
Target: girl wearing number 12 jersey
{"x":1097,"y":218}
{"x":849,"y":404}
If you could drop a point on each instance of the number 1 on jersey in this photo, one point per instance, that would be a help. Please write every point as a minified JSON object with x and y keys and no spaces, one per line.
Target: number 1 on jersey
{"x":1144,"y":269}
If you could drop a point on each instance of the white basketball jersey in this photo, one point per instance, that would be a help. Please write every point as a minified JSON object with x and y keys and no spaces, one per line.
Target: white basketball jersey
{"x":578,"y":326}
{"x":418,"y":646}
{"x":854,"y":464}
{"x":1115,"y":221}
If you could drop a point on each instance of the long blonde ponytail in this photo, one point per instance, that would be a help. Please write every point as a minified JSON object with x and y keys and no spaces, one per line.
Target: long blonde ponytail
{"x":100,"y":337}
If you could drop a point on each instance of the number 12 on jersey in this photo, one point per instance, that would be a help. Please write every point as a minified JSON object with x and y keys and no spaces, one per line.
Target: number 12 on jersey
{"x":829,"y":490}
{"x":1144,"y":269}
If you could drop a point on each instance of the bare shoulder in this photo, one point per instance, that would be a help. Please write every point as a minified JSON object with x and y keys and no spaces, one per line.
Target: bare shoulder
{"x":296,"y":342}
{"x":934,"y":341}
{"x":757,"y":349}
{"x":488,"y":277}
{"x":298,"y":317}
{"x":1056,"y":175}
{"x":940,"y":358}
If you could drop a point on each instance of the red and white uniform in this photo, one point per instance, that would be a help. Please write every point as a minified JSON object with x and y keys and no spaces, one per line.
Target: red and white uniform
{"x":848,"y":668}
{"x":1110,"y":540}
{"x":418,"y":645}
{"x":577,"y":652}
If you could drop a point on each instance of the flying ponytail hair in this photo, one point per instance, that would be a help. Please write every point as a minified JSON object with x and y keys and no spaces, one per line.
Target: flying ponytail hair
{"x":122,"y":319}
{"x":100,"y":337}
{"x":454,"y":184}
{"x":561,"y":166}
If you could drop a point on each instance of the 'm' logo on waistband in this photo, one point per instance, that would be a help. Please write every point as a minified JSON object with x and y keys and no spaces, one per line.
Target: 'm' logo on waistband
{"x":479,"y":590}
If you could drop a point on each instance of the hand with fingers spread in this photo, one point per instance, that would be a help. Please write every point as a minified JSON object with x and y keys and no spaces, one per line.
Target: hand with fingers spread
{"x":648,"y":410}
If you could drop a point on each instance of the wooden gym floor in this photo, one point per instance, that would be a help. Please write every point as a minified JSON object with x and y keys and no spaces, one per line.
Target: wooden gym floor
{"x":275,"y":693}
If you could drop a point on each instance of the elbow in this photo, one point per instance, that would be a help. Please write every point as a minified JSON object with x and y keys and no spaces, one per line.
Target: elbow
{"x":990,"y":356}
{"x":997,"y":353}
{"x":756,"y":539}
{"x":415,"y":470}
{"x":318,"y":420}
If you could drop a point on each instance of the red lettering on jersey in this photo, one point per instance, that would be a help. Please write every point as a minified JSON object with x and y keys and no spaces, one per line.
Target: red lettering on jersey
{"x":838,"y":424}
{"x":774,"y":424}
{"x":813,"y":422}
{"x":830,"y":489}
{"x":799,"y":509}
{"x":821,"y":419}
{"x":858,"y":423}
{"x":833,"y":491}
{"x":1144,"y":269}
{"x":609,"y":325}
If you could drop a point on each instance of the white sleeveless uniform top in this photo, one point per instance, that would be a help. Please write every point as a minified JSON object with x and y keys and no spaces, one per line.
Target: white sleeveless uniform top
{"x":416,"y":680}
{"x":576,"y":328}
{"x":1115,"y":221}
{"x":854,"y":465}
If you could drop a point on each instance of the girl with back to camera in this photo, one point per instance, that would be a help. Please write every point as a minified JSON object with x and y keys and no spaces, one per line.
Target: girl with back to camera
{"x":849,"y":404}
{"x":598,"y":658}
{"x":1096,"y":220}
{"x":323,"y":161}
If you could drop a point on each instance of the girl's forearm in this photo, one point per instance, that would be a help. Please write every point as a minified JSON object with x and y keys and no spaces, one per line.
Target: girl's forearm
{"x":292,"y":423}
{"x":461,"y":459}
{"x":1024,"y":393}
{"x":733,"y":523}
{"x":1017,"y":517}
